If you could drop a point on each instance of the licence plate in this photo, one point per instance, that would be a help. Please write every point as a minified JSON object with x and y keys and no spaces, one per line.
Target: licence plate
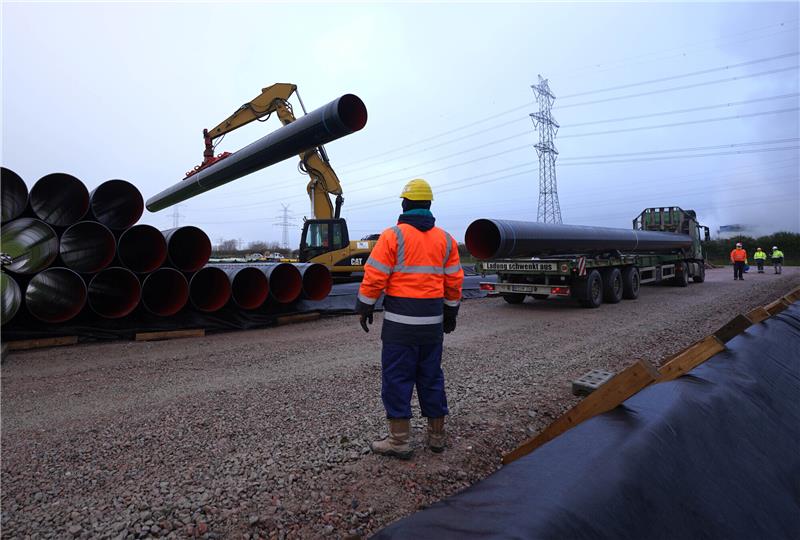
{"x":523,"y":288}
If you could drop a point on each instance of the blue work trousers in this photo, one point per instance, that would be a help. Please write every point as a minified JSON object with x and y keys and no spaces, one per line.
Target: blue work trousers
{"x":407,"y":365}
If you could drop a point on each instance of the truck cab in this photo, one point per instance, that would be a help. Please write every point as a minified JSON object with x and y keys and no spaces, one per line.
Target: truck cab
{"x":677,"y":220}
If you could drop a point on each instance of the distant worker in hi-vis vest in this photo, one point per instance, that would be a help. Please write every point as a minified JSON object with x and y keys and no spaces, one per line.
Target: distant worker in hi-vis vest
{"x":738,"y":260}
{"x":777,"y":259}
{"x":760,"y":257}
{"x":417,"y":266}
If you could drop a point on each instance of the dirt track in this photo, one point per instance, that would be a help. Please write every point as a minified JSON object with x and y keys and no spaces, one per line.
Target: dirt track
{"x":265,"y":432}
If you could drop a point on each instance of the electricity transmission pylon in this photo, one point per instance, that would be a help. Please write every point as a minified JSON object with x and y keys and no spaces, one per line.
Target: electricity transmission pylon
{"x":285,"y":221}
{"x":549,"y":209}
{"x":176,"y":216}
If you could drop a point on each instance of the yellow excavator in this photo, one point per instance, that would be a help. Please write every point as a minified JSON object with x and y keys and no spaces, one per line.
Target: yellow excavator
{"x":325,"y":237}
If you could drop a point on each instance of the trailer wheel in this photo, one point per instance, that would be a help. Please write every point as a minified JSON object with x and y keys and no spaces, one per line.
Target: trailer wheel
{"x":589,"y":291}
{"x":701,"y":277}
{"x":630,"y":283}
{"x":681,"y":278}
{"x":612,"y":285}
{"x":514,"y":298}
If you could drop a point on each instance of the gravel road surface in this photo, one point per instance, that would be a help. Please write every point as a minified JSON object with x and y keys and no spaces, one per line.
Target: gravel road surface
{"x":265,"y":433}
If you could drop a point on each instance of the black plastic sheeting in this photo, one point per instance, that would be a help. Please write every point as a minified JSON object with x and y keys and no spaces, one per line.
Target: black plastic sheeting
{"x":88,"y":326}
{"x":713,"y":454}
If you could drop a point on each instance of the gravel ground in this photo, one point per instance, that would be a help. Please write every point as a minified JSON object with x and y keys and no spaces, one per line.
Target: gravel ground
{"x":264,"y":433}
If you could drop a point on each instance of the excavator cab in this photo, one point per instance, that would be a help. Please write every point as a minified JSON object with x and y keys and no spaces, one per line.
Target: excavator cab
{"x":322,"y":236}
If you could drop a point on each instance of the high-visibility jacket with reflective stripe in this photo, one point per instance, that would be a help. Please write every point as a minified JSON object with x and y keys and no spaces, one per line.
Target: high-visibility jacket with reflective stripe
{"x":738,"y":255}
{"x":777,"y":254}
{"x":419,"y":271}
{"x":760,"y":255}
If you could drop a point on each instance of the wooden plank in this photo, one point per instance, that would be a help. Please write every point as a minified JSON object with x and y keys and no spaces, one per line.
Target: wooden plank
{"x":757,"y":315}
{"x":621,"y":387}
{"x":733,"y":328}
{"x":794,"y":295}
{"x":776,"y":307}
{"x":690,"y":358}
{"x":297,"y":318}
{"x":27,"y":344}
{"x":171,"y":334}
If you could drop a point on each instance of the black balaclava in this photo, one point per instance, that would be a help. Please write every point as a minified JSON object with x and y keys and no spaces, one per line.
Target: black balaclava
{"x":408,"y":204}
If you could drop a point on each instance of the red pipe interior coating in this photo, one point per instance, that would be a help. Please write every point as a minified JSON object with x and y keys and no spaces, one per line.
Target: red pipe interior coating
{"x":249,"y":288}
{"x":142,"y":248}
{"x":209,"y":289}
{"x":165,"y":292}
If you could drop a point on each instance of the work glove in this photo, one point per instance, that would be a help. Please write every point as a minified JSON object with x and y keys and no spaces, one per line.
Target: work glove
{"x":450,"y":314}
{"x":364,"y":311}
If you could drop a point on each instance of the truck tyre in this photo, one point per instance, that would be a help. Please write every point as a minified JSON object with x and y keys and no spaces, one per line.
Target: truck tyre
{"x":681,"y":278}
{"x":612,"y":285}
{"x":701,"y":277}
{"x":590,"y":290}
{"x":630,"y":283}
{"x":514,"y":298}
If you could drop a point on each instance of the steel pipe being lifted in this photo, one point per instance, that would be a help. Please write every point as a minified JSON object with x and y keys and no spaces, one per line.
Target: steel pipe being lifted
{"x":59,"y":199}
{"x":114,"y":292}
{"x":142,"y":248}
{"x":338,"y":118}
{"x":188,"y":248}
{"x":498,"y":238}
{"x":317,"y":280}
{"x":11,"y":297}
{"x":209,"y":289}
{"x":32,"y":245}
{"x":14,"y":194}
{"x":87,"y":247}
{"x":249,"y":285}
{"x":55,"y":295}
{"x":117,"y":204}
{"x":165,"y":292}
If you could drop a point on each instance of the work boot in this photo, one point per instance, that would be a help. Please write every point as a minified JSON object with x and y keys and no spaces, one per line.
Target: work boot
{"x":436,"y":434}
{"x":396,"y":444}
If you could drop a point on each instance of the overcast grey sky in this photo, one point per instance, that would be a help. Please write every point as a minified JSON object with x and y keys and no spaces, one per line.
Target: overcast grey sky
{"x":112,"y":90}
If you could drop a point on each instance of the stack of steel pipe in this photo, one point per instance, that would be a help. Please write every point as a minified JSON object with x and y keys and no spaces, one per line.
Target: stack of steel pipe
{"x":67,"y":250}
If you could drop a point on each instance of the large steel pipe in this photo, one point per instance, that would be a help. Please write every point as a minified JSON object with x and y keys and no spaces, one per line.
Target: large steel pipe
{"x":114,"y":292}
{"x":87,"y":247}
{"x":188,"y":248}
{"x":117,"y":204}
{"x":13,"y":194}
{"x":165,"y":292}
{"x":11,"y":297}
{"x":55,"y":295}
{"x":249,"y":285}
{"x":209,"y":289}
{"x":59,"y":199}
{"x":32,"y":245}
{"x":142,"y":248}
{"x":338,"y":118}
{"x":285,"y":281}
{"x":317,"y":280}
{"x":497,"y":238}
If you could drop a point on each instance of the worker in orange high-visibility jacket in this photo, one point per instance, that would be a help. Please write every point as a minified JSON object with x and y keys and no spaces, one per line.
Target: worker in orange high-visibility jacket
{"x":738,"y":259}
{"x":416,"y":265}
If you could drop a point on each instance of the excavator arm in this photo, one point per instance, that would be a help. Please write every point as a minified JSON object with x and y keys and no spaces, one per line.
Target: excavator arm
{"x":314,"y":162}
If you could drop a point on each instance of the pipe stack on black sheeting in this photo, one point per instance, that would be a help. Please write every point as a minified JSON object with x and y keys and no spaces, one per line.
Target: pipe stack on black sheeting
{"x":498,"y":238}
{"x":68,"y":252}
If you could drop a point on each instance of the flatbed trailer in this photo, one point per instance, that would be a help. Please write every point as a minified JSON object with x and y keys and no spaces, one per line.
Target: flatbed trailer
{"x":602,"y":276}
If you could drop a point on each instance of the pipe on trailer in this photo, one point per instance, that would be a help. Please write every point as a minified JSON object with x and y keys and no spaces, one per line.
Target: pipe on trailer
{"x":498,"y":238}
{"x":338,"y":118}
{"x":165,"y":292}
{"x":249,"y":285}
{"x":317,"y":280}
{"x":55,"y":295}
{"x":87,"y":247}
{"x":188,"y":248}
{"x":32,"y":245}
{"x":13,"y":195}
{"x":209,"y":289}
{"x":142,"y":248}
{"x":117,"y":204}
{"x":114,"y":292}
{"x":11,"y":296}
{"x":59,"y":199}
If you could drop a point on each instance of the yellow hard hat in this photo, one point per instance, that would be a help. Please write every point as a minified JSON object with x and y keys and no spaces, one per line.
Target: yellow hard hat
{"x":417,"y":190}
